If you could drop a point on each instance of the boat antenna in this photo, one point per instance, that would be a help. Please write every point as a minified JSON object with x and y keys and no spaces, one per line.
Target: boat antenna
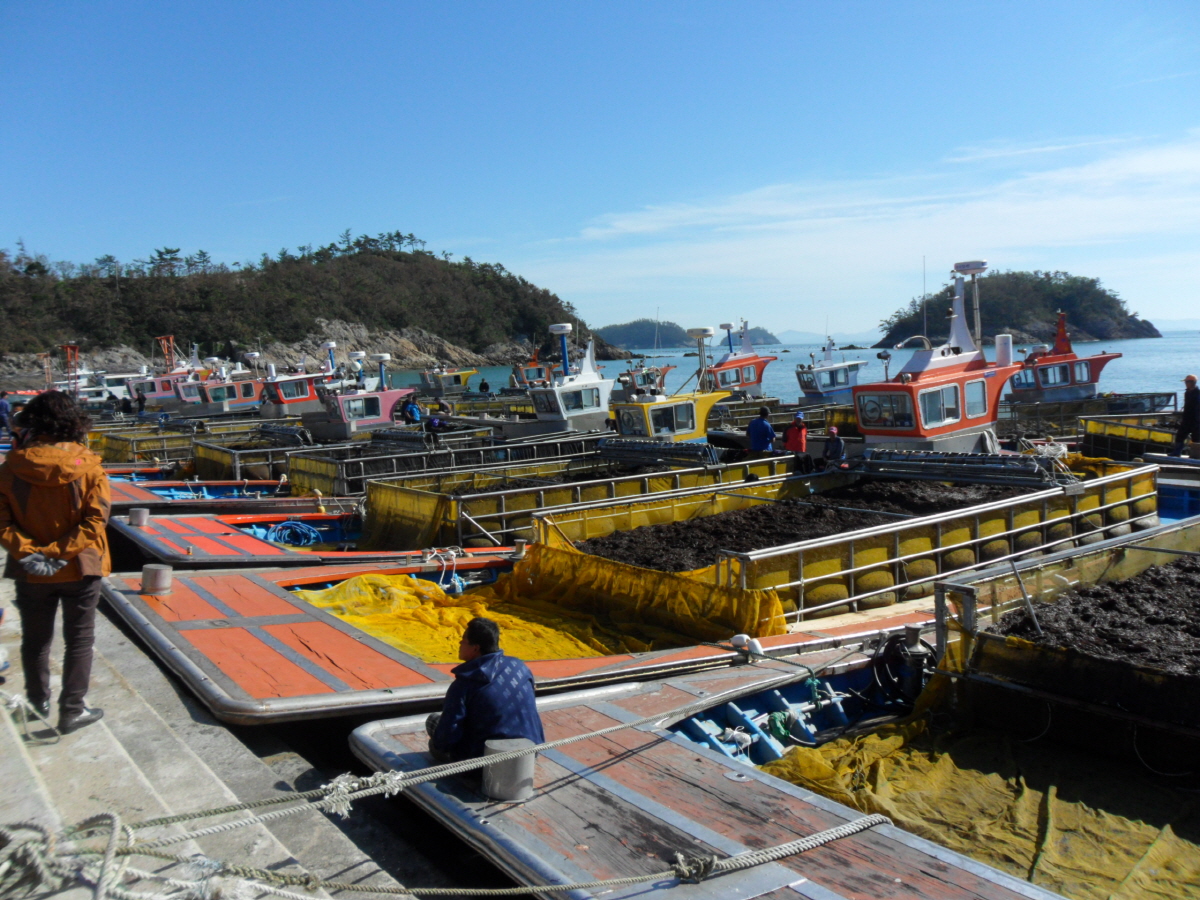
{"x":924,"y":299}
{"x":657,"y":320}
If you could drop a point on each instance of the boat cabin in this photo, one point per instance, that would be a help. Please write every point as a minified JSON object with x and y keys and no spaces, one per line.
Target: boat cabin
{"x":740,"y":369}
{"x":442,"y":382}
{"x":353,"y":412}
{"x":531,"y":374}
{"x":1057,"y":373}
{"x":827,"y":380}
{"x":283,"y":396}
{"x":160,"y":389}
{"x":675,"y":419}
{"x":641,"y":380}
{"x":576,"y":401}
{"x":946,"y":398}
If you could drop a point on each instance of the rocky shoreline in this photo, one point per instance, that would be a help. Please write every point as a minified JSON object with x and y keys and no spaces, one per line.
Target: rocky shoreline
{"x":411,"y":348}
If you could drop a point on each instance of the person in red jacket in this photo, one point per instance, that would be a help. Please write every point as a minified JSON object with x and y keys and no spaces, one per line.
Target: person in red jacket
{"x":795,"y":441}
{"x":54,"y":507}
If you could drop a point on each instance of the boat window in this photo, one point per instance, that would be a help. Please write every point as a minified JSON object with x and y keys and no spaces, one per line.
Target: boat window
{"x":545,"y":402}
{"x":729,"y":376}
{"x":293,"y":390}
{"x":1083,"y":372}
{"x":976,"y":399}
{"x":1024,"y":380}
{"x":248,"y":389}
{"x":220,"y":394}
{"x":361,"y":407}
{"x":891,"y":409}
{"x":1055,"y":375}
{"x":576,"y":401}
{"x":190,"y":390}
{"x":807,"y":381}
{"x":166,"y":385}
{"x":940,"y":406}
{"x":748,"y":373}
{"x":631,"y":421}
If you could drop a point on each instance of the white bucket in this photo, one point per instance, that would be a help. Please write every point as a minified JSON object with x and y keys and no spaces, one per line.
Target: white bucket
{"x":511,"y":780}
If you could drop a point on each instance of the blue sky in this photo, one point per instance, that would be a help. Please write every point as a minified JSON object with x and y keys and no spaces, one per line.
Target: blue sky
{"x":784,"y":162}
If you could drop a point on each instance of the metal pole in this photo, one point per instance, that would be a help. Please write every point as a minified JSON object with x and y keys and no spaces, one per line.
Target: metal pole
{"x":978,"y":327}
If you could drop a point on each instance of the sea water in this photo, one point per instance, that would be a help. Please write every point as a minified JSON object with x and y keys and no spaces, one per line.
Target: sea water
{"x":1147,"y":365}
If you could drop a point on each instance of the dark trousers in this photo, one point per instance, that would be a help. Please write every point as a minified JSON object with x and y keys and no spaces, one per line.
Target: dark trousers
{"x":38,"y":605}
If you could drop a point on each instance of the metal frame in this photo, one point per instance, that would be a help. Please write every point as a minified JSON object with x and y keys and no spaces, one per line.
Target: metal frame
{"x":896,"y":562}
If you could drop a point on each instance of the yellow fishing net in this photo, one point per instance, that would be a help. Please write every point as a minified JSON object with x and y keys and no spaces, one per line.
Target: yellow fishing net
{"x":552,"y":606}
{"x":1084,"y":825}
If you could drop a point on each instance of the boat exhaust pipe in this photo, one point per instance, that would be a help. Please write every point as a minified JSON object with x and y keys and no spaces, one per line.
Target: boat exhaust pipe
{"x":271,"y":370}
{"x":562,"y":331}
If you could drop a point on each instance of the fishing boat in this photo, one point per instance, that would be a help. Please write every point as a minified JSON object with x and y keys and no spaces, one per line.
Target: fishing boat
{"x":672,"y":782}
{"x":1057,"y":373}
{"x":576,"y":400}
{"x":828,"y":380}
{"x":443,"y":381}
{"x":348,"y":413}
{"x":212,"y":496}
{"x":945,"y":398}
{"x":203,"y":541}
{"x":531,"y":374}
{"x":255,"y":651}
{"x":739,"y":369}
{"x":639,"y":380}
{"x":681,"y":417}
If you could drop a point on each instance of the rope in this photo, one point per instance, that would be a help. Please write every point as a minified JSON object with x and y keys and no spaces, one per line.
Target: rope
{"x":687,"y":870}
{"x":20,"y":708}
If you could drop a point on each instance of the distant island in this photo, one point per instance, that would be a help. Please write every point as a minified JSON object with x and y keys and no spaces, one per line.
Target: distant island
{"x":641,"y":334}
{"x":1025,"y":305}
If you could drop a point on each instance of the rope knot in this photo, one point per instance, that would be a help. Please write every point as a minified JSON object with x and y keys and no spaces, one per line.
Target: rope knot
{"x":693,"y":870}
{"x":338,"y":799}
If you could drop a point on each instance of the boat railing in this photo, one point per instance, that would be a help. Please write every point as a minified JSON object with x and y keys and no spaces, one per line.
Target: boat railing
{"x":1062,"y":417}
{"x":905,"y":558}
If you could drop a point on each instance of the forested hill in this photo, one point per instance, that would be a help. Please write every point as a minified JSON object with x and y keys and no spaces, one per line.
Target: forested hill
{"x":641,"y":334}
{"x":1025,"y":305}
{"x":385,"y":282}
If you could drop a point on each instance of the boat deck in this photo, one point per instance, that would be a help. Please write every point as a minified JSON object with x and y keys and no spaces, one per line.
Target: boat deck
{"x":208,"y":496}
{"x":206,"y":541}
{"x":625,"y":803}
{"x":253,"y":652}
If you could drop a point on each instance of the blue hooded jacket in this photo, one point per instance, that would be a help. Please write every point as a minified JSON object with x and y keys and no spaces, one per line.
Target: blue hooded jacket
{"x":491,"y":697}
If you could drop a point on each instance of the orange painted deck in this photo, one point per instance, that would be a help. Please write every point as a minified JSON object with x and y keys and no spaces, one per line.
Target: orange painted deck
{"x":253,"y":652}
{"x":624,"y":804}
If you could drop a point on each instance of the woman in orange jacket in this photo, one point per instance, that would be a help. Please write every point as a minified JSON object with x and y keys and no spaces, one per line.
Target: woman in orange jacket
{"x":54,"y":507}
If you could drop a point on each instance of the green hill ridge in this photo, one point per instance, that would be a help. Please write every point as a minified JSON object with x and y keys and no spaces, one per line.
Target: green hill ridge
{"x":387,"y":282}
{"x":641,"y":334}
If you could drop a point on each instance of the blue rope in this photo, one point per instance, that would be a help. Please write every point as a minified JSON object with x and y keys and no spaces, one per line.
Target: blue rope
{"x":295,"y":534}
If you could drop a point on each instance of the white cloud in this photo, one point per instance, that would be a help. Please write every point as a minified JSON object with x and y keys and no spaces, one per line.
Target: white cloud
{"x":787,"y":254}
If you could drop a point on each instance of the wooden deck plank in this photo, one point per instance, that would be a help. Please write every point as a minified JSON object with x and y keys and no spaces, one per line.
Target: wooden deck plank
{"x":361,"y":667}
{"x":243,"y":596}
{"x":253,"y":666}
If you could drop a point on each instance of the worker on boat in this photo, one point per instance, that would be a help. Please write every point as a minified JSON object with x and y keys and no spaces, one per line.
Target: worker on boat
{"x":126,"y":406}
{"x":54,"y":507}
{"x":5,"y":413}
{"x":443,"y":407}
{"x":410,"y":411}
{"x":141,"y":401}
{"x":491,"y":698}
{"x":835,"y":448}
{"x":1189,"y":422}
{"x":760,"y":432}
{"x":484,"y":387}
{"x":795,"y":441}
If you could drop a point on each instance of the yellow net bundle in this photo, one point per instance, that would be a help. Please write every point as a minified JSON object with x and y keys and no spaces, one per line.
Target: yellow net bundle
{"x":552,"y":606}
{"x":1085,"y":825}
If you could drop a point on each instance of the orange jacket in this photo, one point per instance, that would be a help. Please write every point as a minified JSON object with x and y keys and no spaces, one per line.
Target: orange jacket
{"x":55,"y":500}
{"x":795,"y":438}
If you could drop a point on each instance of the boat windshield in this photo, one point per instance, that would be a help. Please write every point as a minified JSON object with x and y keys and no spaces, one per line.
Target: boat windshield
{"x":940,"y":406}
{"x":729,"y":376}
{"x":807,"y":381}
{"x":545,"y":402}
{"x":361,"y":407}
{"x":1024,"y":380}
{"x":578,"y":401}
{"x":831,"y":378}
{"x":891,"y":409}
{"x":680,"y":417}
{"x":631,"y":421}
{"x":1053,"y":376}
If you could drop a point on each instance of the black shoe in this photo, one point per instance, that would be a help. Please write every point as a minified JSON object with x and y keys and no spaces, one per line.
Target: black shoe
{"x":43,"y":708}
{"x":67,"y":724}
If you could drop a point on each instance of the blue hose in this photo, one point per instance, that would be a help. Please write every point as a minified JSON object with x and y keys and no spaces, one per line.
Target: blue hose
{"x":294,"y":534}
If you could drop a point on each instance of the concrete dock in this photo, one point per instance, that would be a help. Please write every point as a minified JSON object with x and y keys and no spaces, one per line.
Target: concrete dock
{"x":157,"y":752}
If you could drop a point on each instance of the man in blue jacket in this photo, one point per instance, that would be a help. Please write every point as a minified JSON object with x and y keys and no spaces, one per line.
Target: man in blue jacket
{"x":491,"y":697}
{"x":760,"y":432}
